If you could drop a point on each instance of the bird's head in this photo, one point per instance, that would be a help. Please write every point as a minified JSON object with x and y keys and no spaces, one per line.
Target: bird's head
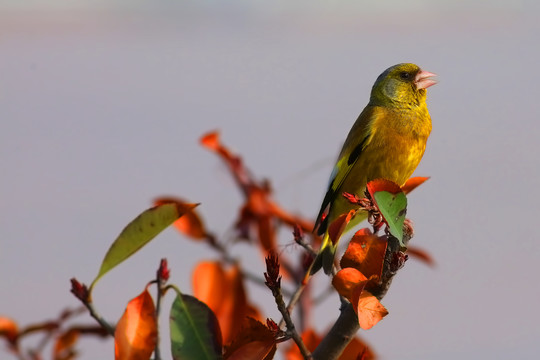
{"x":402,"y":85}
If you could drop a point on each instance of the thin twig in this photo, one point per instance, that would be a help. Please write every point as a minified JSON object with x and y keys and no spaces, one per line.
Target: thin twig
{"x":298,"y":293}
{"x":273,"y":282}
{"x":101,"y":321}
{"x":50,"y":328}
{"x":307,"y":247}
{"x":82,"y":293}
{"x":291,"y":330}
{"x":162,"y":276}
{"x":302,"y":283}
{"x":157,"y":352}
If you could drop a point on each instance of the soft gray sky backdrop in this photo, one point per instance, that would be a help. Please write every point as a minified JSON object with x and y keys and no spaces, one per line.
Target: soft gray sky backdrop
{"x":102,"y":104}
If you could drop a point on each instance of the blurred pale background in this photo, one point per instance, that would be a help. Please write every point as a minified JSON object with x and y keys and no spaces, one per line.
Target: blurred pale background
{"x":102,"y":105}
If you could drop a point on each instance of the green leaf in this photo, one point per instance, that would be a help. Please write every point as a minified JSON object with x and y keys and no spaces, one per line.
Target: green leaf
{"x":195,"y":332}
{"x":393,"y":208}
{"x":139,"y":232}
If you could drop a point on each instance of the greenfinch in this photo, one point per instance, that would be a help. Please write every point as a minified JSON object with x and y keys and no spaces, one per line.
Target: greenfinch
{"x":387,"y":141}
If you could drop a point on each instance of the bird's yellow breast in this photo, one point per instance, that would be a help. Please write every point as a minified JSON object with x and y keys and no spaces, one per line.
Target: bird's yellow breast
{"x":396,"y":144}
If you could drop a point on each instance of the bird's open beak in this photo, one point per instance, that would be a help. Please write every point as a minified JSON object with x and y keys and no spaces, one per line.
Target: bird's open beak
{"x":424,"y":79}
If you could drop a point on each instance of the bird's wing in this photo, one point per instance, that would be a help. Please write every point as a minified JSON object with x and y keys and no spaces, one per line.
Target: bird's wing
{"x":357,"y":140}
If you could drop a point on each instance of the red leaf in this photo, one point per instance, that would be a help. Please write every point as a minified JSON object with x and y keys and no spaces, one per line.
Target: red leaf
{"x":365,"y":253}
{"x":136,"y":332}
{"x":267,"y":235}
{"x":212,"y":142}
{"x":382,"y":185}
{"x":337,"y":227}
{"x":258,"y":214}
{"x":412,"y":183}
{"x":254,"y":341}
{"x":290,"y":219}
{"x":257,"y":209}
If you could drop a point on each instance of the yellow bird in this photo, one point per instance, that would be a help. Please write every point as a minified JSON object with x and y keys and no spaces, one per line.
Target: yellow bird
{"x":387,"y":141}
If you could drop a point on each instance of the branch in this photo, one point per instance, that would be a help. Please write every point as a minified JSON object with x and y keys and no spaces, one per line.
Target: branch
{"x":302,"y":283}
{"x":346,"y":325}
{"x":337,"y":339}
{"x":298,"y":235}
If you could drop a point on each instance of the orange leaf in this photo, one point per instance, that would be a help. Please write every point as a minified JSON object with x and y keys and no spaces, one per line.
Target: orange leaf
{"x":348,"y":279}
{"x":211,"y":141}
{"x":365,"y":253}
{"x":9,"y":329}
{"x":289,"y":219}
{"x":190,"y":223}
{"x":267,"y":235}
{"x":224,"y":293}
{"x":258,"y":201}
{"x":254,"y":341}
{"x":136,"y":332}
{"x":412,"y":183}
{"x":236,"y":304}
{"x":337,"y":226}
{"x":64,"y":344}
{"x":369,"y":310}
{"x":420,"y":254}
{"x":210,"y":285}
{"x":257,"y":210}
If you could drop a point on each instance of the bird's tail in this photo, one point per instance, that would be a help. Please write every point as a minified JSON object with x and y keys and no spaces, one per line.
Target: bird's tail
{"x":325,"y":257}
{"x":327,"y":252}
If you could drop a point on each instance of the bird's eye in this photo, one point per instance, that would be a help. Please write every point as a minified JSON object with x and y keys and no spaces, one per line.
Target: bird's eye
{"x":405,"y":75}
